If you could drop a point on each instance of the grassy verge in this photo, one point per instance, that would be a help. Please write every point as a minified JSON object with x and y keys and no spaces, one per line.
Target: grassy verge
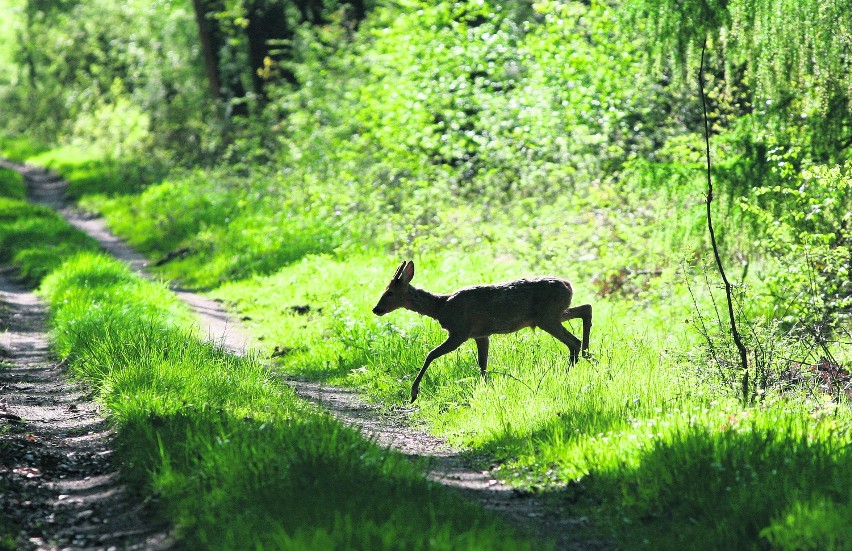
{"x":635,"y":439}
{"x":12,"y":184}
{"x":235,"y":458}
{"x":34,"y":239}
{"x":88,"y":171}
{"x":20,"y":148}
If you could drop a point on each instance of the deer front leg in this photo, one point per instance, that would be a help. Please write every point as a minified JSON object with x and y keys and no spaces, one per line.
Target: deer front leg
{"x":556,"y":329}
{"x":482,"y":353}
{"x":583,"y":312}
{"x":452,"y":342}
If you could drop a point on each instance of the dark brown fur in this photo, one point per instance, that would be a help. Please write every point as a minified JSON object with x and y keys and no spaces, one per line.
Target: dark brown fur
{"x":483,"y":310}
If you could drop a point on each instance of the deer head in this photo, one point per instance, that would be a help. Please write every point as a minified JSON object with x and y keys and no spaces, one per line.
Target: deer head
{"x":396,"y":294}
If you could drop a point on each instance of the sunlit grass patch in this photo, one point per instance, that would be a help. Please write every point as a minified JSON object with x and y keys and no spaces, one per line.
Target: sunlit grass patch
{"x":35,"y":239}
{"x":89,"y":171}
{"x":336,"y":337}
{"x":20,"y":148}
{"x":209,"y":227}
{"x":635,"y":430}
{"x":814,"y":524}
{"x":12,"y":184}
{"x":736,"y":473}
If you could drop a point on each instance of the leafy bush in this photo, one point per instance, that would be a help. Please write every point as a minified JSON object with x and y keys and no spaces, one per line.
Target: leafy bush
{"x":808,"y":221}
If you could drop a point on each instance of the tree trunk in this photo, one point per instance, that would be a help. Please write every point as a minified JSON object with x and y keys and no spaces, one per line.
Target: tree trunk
{"x":208,"y":49}
{"x":267,"y":21}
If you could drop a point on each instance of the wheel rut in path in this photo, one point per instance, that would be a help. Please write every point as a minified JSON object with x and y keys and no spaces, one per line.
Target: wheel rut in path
{"x":58,"y":481}
{"x":394,"y":430}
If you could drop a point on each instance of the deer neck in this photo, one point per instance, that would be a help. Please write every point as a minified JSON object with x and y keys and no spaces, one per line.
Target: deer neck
{"x":425,"y":303}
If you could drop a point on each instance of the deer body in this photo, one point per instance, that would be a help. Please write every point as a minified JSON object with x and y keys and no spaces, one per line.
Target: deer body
{"x":483,"y":310}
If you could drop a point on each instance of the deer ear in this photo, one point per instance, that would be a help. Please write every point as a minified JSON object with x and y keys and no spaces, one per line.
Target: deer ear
{"x":408,"y":272}
{"x":398,"y":272}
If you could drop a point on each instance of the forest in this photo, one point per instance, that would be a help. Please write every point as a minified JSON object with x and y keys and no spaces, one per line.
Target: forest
{"x":283,"y":157}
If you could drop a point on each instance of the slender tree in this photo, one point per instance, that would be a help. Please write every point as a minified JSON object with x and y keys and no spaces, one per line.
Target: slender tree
{"x":735,"y":334}
{"x":224,"y":85}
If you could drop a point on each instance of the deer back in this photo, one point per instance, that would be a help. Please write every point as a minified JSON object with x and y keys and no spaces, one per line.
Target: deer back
{"x":505,"y":307}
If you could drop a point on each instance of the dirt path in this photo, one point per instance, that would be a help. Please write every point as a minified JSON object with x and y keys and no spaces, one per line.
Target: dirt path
{"x":535,"y":514}
{"x":532,"y":513}
{"x":57,"y":476}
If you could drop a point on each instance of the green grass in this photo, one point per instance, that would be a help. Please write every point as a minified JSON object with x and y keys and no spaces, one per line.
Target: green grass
{"x":35,"y":240}
{"x":636,"y":431}
{"x":224,"y":226}
{"x":236,"y":458}
{"x":391,"y":149}
{"x":87,"y":170}
{"x":632,"y":436}
{"x":12,"y":184}
{"x":738,"y":477}
{"x":11,"y":187}
{"x":21,"y":148}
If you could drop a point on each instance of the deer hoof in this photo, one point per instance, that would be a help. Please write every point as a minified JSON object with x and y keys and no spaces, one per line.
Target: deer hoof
{"x":414,"y":392}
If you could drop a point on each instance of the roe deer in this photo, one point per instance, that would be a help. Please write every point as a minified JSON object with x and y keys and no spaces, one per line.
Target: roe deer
{"x":483,"y":310}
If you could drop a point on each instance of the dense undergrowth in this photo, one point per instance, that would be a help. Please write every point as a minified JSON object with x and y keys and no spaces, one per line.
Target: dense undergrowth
{"x":489,"y":141}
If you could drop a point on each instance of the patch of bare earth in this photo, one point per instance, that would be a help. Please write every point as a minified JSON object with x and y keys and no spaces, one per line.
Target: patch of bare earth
{"x":548,"y":516}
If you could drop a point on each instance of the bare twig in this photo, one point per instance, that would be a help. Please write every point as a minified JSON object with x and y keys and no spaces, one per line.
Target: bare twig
{"x":703,"y":328}
{"x":734,"y":333}
{"x":509,"y":375}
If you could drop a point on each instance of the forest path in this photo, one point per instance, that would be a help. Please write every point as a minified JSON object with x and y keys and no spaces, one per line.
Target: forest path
{"x":540,"y":515}
{"x":59,"y":483}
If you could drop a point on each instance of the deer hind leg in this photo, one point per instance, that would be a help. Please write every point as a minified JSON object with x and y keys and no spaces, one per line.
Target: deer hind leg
{"x":583,"y":312}
{"x":452,"y":342}
{"x":561,"y":334}
{"x":482,"y":353}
